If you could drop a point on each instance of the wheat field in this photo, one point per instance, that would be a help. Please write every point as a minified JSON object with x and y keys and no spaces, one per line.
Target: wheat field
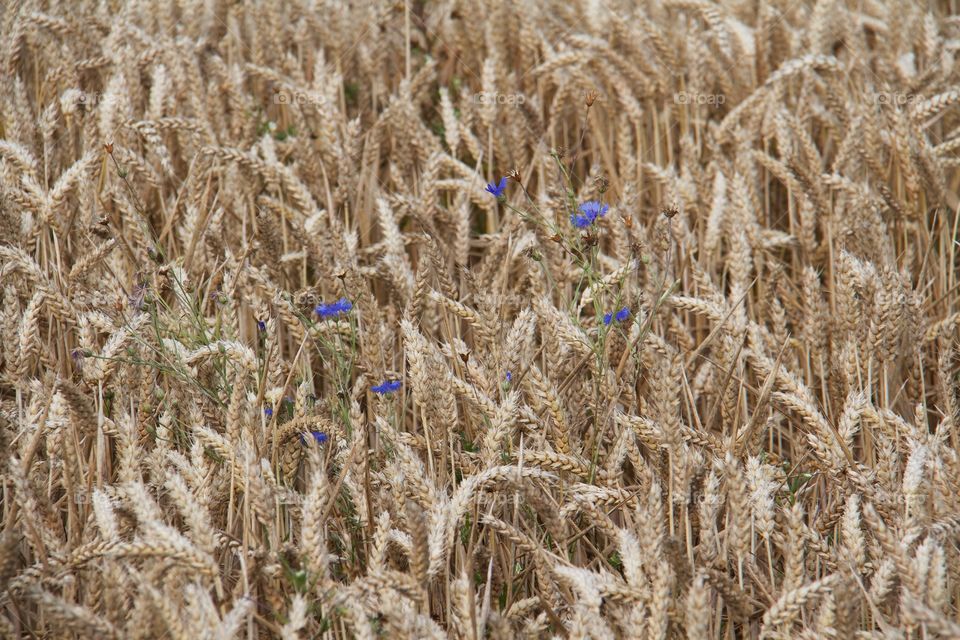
{"x":479,"y":319}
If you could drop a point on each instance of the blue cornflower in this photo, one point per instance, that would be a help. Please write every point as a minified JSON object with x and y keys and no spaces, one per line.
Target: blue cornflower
{"x":619,"y":316}
{"x":319,"y":436}
{"x":261,"y":325}
{"x":497,"y":189}
{"x":580,"y":221}
{"x":594,"y":209}
{"x":385,"y":387}
{"x":589,"y":212}
{"x":509,"y":377}
{"x":325,"y":310}
{"x":268,"y":412}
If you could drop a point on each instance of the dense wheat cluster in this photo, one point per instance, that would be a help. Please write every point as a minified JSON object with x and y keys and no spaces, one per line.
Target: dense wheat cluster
{"x":275,"y":363}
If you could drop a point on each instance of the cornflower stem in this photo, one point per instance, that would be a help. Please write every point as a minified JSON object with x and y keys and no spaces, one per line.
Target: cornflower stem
{"x":571,"y":195}
{"x":123,"y":176}
{"x":583,"y":134}
{"x":540,"y":219}
{"x":662,"y":296}
{"x":645,"y":329}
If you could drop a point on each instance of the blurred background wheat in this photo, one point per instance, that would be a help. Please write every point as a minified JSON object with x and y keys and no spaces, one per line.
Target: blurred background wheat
{"x":275,"y":363}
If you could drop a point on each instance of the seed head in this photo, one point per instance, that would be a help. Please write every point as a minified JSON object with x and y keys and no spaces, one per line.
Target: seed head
{"x":533,"y":254}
